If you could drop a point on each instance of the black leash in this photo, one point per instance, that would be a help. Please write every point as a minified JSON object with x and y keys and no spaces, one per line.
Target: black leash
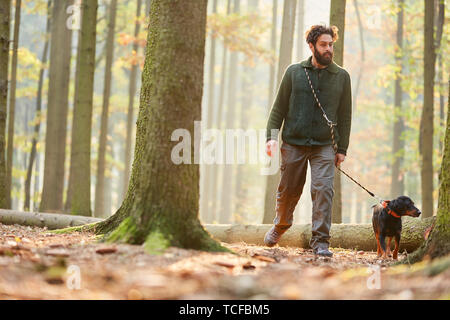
{"x":331,"y":125}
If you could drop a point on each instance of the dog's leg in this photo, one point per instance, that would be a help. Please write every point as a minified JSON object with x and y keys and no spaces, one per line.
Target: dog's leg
{"x":397,"y":245}
{"x":383,"y":245}
{"x":378,"y":244}
{"x":388,"y":248}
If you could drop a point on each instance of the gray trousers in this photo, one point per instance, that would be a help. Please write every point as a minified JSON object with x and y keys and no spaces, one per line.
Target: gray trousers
{"x":294,"y":163}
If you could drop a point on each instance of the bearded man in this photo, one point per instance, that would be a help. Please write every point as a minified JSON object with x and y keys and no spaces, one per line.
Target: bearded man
{"x":306,"y":135}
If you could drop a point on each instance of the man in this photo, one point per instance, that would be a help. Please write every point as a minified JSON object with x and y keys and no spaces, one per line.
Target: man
{"x":307,"y":137}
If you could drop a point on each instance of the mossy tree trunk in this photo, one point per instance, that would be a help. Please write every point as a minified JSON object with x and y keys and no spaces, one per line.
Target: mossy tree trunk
{"x":438,"y":242}
{"x":162,"y":203}
{"x":5,"y":16}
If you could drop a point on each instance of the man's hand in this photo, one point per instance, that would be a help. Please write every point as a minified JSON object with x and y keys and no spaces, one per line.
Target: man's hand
{"x":338,"y":159}
{"x":271,"y":146}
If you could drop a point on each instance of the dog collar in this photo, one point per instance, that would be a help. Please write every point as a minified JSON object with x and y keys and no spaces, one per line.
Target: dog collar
{"x":389,"y":211}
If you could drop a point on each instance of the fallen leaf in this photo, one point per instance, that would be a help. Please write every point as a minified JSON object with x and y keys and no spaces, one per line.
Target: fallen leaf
{"x":58,"y":253}
{"x":248,"y":265}
{"x":264,"y":258}
{"x":106,"y":250}
{"x":223,"y":264}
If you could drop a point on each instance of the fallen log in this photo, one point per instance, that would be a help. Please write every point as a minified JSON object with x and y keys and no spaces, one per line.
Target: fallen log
{"x":50,"y":220}
{"x":348,"y":236}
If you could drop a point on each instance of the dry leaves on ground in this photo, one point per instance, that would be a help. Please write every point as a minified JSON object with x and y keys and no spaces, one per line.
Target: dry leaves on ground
{"x":39,"y":265}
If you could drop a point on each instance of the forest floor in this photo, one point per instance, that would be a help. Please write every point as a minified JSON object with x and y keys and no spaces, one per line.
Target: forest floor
{"x":38,"y":265}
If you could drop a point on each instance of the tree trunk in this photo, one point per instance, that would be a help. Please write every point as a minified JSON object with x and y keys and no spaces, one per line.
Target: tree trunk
{"x":12,"y":104}
{"x":37,"y":124}
{"x":397,"y":183}
{"x":273,"y":46}
{"x":50,"y":220}
{"x":438,"y":242}
{"x":337,"y":18}
{"x":131,"y":93}
{"x":207,"y":195}
{"x":166,"y":195}
{"x":216,"y":204}
{"x":58,"y":95}
{"x":363,"y":56}
{"x":226,"y":199}
{"x":79,"y":195}
{"x":348,"y":236}
{"x":5,"y":14}
{"x":440,"y":76}
{"x":286,"y":45}
{"x":100,"y":181}
{"x":300,"y":29}
{"x":426,"y":121}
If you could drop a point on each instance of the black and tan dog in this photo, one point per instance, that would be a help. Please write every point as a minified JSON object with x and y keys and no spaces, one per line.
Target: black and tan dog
{"x":387,"y":223}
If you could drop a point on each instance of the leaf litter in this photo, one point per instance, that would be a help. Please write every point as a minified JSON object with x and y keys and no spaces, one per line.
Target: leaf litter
{"x":39,"y":265}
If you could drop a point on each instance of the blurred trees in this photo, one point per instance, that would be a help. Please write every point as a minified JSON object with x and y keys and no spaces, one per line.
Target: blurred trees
{"x":337,"y":18}
{"x":79,"y":190}
{"x":57,"y":109}
{"x":5,"y":16}
{"x":284,"y":60}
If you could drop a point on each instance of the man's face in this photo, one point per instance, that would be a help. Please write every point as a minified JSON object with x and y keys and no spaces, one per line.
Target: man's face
{"x":323,"y":50}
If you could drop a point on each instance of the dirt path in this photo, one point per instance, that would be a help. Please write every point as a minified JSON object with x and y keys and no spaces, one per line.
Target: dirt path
{"x":37,"y":265}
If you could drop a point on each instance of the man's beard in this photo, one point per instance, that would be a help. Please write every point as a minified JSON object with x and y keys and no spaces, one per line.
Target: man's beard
{"x":324,"y":59}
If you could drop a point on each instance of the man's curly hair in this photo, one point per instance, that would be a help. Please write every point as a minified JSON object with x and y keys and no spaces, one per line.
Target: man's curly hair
{"x":313,"y":33}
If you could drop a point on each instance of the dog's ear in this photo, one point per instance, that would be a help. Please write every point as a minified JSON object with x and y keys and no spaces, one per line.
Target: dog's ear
{"x":398,"y":205}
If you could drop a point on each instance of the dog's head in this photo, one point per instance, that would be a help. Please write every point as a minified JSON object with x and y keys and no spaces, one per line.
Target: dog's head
{"x":404,"y":206}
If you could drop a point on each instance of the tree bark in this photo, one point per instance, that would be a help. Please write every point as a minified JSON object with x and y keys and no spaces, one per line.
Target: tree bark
{"x":58,"y":101}
{"x":426,"y":121}
{"x":37,"y":124}
{"x":438,"y":242}
{"x":12,"y":103}
{"x":285,"y":58}
{"x":131,"y":94}
{"x":166,"y":195}
{"x":397,"y":182}
{"x":337,"y":18}
{"x":79,"y":196}
{"x":5,"y":16}
{"x":99,"y":209}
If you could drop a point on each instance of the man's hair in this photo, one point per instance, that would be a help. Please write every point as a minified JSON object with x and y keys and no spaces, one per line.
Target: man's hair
{"x":313,"y":33}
